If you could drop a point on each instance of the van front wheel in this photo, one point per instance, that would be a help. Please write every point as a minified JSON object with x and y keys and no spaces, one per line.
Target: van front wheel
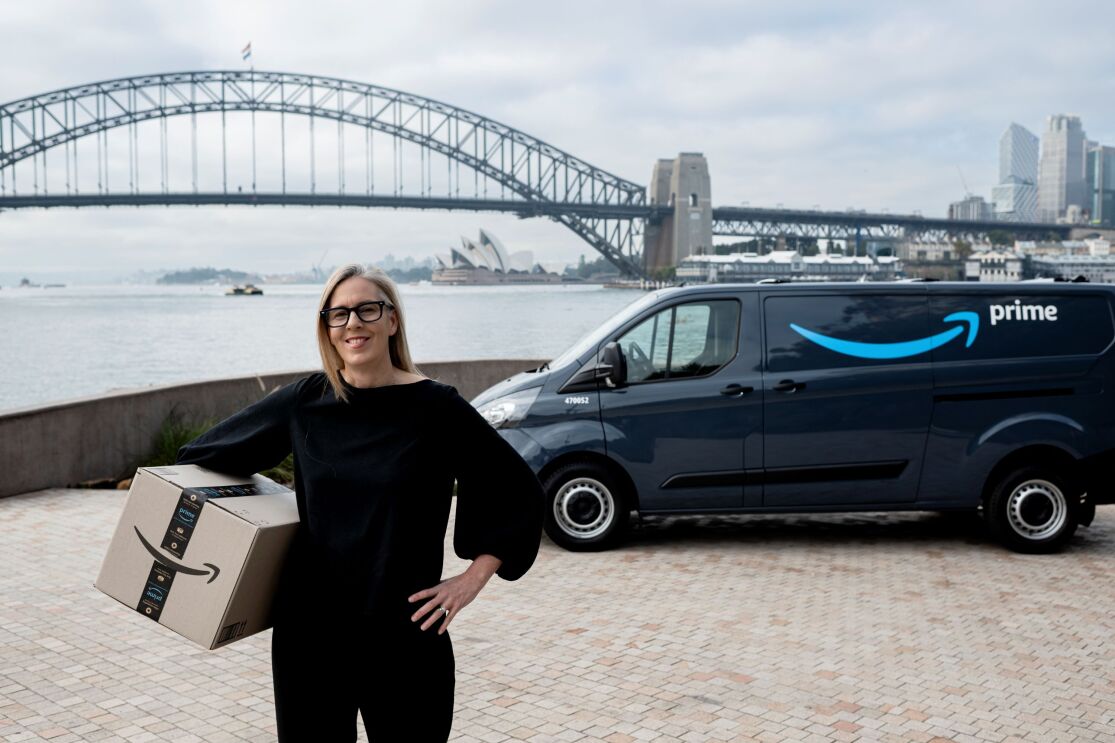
{"x":1033,"y":509}
{"x":586,"y":510}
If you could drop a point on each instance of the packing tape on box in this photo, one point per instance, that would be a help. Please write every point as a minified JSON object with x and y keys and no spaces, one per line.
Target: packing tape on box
{"x":183,"y":521}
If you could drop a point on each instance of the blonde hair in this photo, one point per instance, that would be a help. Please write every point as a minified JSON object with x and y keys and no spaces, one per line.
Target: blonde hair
{"x":331,"y":362}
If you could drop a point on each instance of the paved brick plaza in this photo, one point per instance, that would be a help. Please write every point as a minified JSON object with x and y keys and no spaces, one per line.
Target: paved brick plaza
{"x":824,"y":628}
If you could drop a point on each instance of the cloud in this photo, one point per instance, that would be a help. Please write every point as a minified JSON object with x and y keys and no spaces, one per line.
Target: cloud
{"x":873,"y":105}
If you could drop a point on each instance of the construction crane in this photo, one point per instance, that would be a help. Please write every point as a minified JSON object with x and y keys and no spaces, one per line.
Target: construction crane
{"x":967,"y":191}
{"x":316,"y":270}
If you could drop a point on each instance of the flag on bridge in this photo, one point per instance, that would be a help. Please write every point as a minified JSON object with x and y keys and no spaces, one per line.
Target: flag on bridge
{"x":246,"y":52}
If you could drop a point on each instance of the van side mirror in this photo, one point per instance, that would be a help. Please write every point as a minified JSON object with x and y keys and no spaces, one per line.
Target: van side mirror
{"x":610,"y":367}
{"x":613,"y":366}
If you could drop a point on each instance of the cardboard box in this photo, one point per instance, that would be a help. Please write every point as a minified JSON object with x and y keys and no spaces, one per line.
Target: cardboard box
{"x":200,"y":552}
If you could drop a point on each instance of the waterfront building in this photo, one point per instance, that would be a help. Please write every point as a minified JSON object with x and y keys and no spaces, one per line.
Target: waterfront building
{"x":926,"y":251}
{"x":971,"y":209}
{"x":1061,"y":168}
{"x":994,"y":265}
{"x":486,"y":261}
{"x":1099,"y":172}
{"x":1098,"y":246}
{"x":1095,"y":268}
{"x":1032,"y":248}
{"x":931,"y":260}
{"x":1068,"y":259}
{"x":787,"y":264}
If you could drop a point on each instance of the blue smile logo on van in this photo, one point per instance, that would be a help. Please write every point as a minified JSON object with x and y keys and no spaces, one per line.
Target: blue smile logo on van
{"x":899,"y":350}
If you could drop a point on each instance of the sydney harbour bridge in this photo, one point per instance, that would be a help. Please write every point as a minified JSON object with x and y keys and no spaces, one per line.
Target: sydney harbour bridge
{"x":274,"y":138}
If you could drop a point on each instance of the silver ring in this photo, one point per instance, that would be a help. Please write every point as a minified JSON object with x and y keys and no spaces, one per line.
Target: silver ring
{"x":442,"y":608}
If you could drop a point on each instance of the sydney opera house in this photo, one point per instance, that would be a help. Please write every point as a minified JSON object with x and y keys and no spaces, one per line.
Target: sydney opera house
{"x":486,"y":261}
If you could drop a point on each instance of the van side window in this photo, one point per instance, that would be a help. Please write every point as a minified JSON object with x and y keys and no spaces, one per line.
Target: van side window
{"x":689,"y":340}
{"x":646,"y":348}
{"x":819,"y":332}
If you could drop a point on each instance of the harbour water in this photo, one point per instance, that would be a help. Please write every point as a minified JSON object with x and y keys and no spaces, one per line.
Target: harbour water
{"x":61,"y":343}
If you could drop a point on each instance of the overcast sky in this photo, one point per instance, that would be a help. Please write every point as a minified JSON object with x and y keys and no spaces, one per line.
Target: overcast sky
{"x":876,"y":105}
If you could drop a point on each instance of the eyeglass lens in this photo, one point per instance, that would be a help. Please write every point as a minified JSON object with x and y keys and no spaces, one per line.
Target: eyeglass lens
{"x":369,"y":312}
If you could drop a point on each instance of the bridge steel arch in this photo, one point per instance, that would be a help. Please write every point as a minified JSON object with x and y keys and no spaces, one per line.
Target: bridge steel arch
{"x":538,"y":175}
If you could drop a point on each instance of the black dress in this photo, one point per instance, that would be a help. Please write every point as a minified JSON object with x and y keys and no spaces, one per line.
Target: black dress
{"x":374,"y":480}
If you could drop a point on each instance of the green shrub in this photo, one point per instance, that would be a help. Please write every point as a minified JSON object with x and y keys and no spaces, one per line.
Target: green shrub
{"x":176,"y":433}
{"x":173,"y":434}
{"x":283,"y":473}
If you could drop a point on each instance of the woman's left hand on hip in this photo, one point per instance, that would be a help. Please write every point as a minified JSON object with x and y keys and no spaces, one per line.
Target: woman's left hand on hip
{"x":446,"y":599}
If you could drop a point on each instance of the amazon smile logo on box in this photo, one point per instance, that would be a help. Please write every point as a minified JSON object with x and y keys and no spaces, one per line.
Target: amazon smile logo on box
{"x":176,"y":566}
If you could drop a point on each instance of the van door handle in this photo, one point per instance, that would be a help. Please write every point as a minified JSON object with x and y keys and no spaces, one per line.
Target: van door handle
{"x":736,"y":390}
{"x":788,"y":385}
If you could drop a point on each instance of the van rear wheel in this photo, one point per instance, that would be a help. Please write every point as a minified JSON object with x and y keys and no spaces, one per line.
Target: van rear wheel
{"x":586,"y":509}
{"x":1032,"y":509}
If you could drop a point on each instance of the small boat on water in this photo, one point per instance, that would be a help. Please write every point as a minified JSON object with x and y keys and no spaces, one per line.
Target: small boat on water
{"x":244,"y":290}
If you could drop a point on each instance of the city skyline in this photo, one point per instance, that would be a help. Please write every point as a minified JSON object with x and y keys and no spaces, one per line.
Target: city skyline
{"x":790,"y":105}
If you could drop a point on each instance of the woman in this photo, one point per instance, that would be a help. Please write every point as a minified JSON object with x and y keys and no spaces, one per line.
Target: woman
{"x":361,"y":613}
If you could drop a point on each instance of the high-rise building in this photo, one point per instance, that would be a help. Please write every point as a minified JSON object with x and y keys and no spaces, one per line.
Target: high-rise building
{"x":1016,"y":197}
{"x":1061,"y":167}
{"x":971,"y":209}
{"x":1015,"y":202}
{"x":1018,"y":155}
{"x":1100,"y":179}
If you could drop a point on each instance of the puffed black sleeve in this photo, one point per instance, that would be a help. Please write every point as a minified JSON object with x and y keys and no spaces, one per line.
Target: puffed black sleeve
{"x":499,"y":499}
{"x":254,"y":439}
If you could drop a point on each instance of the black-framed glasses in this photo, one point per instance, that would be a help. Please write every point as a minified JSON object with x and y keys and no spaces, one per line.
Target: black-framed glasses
{"x":337,"y":317}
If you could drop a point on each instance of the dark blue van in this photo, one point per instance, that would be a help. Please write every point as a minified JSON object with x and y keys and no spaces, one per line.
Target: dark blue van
{"x":827,"y":397}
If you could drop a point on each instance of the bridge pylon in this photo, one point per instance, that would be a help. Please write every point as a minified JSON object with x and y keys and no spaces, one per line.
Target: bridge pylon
{"x":683,"y":184}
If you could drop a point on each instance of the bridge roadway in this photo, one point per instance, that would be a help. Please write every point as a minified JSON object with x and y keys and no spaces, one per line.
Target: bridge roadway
{"x":726,"y":221}
{"x":760,"y":222}
{"x":520,"y":207}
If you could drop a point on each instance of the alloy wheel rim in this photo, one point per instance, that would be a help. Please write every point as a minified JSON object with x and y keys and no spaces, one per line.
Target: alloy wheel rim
{"x":1037,"y":509}
{"x":584,"y":508}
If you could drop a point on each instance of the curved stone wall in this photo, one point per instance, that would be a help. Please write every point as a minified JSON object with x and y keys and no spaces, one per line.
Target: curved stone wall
{"x":103,"y":437}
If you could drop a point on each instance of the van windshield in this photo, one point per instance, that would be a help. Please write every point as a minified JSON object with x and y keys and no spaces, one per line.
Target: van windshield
{"x":593,"y":339}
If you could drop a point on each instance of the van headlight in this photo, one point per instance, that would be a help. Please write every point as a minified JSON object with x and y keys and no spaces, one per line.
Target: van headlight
{"x":506,"y":412}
